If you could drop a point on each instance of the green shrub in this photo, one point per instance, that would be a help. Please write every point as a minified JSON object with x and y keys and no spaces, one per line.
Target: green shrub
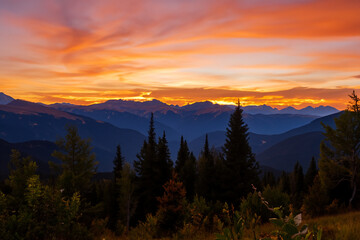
{"x":252,"y":206}
{"x":316,"y":200}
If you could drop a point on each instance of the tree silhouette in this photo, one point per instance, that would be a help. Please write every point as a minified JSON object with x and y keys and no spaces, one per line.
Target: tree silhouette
{"x":77,"y":162}
{"x":241,"y":166}
{"x":339,"y":153}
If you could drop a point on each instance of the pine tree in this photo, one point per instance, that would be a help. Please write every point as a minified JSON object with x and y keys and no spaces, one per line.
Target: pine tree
{"x":118,"y":163}
{"x":185,"y":166}
{"x":114,"y":214}
{"x":268,"y":179}
{"x":77,"y":162}
{"x":21,"y":169}
{"x":241,"y":166}
{"x":310,"y":174}
{"x":284,"y":183}
{"x":126,"y":197}
{"x":339,"y":163}
{"x":164,"y":161}
{"x":145,"y":167}
{"x":205,"y":185}
{"x":182,"y":155}
{"x":171,"y":211}
{"x":297,"y":186}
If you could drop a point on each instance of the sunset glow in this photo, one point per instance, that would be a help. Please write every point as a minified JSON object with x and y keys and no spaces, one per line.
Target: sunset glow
{"x":280,"y":53}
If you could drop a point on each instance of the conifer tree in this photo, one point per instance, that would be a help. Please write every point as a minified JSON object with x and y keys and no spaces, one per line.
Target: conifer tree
{"x":284,"y":183}
{"x":340,"y":153}
{"x":146,"y":169}
{"x":126,"y":197}
{"x":205,"y":183}
{"x":171,"y":211}
{"x":182,"y":155}
{"x":268,"y":179}
{"x":21,"y":169}
{"x":77,"y":162}
{"x":118,"y":163}
{"x":185,"y":166}
{"x":114,"y":214}
{"x":297,"y":186}
{"x":241,"y":166}
{"x":164,"y":161}
{"x":310,"y":174}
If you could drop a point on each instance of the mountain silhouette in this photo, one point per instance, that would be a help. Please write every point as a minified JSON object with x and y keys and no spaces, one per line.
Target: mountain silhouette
{"x":24,"y":121}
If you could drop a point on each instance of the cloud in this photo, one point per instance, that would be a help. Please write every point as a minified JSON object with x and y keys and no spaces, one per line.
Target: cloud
{"x":221,"y":49}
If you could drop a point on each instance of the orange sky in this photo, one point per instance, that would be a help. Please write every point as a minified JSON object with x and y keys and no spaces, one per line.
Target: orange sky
{"x":279,"y":53}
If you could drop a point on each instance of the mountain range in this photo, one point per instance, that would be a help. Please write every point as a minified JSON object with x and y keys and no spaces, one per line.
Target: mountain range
{"x":278,"y":140}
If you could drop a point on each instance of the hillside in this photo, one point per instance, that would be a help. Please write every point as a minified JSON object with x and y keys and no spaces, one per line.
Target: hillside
{"x":40,"y":152}
{"x":23,"y":121}
{"x":286,"y":153}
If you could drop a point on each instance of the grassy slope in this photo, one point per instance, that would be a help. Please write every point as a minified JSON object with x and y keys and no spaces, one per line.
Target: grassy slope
{"x":344,"y":226}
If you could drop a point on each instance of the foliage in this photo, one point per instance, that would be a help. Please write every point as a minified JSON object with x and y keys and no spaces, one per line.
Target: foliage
{"x":268,"y":179}
{"x":171,"y":213}
{"x":203,"y":216}
{"x":114,"y":211}
{"x":77,"y":162}
{"x":340,"y":153}
{"x":153,"y":169}
{"x":146,"y":229}
{"x":44,"y":215}
{"x":241,"y":166}
{"x":185,"y":166}
{"x":21,"y":169}
{"x":316,"y":199}
{"x":310,"y":175}
{"x":206,"y":171}
{"x":297,"y":188}
{"x":126,"y":197}
{"x":284,"y":183}
{"x":236,"y":229}
{"x":253,"y":207}
{"x":288,"y":227}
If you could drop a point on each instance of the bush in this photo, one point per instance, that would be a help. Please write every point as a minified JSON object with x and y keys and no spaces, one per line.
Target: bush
{"x":316,"y":200}
{"x":252,"y":206}
{"x":145,"y":230}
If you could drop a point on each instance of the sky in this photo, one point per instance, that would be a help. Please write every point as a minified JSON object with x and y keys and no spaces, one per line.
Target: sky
{"x":280,"y":53}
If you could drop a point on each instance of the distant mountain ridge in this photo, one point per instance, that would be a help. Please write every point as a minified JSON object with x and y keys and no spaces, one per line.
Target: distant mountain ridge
{"x":5,"y":99}
{"x":190,"y":120}
{"x":277,"y":139}
{"x":24,"y":121}
{"x":320,"y":111}
{"x":144,"y":108}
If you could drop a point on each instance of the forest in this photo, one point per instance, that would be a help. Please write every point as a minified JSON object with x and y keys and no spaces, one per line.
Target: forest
{"x":216,"y":195}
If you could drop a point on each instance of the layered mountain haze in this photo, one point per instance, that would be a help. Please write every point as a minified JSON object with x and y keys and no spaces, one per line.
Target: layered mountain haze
{"x":191,"y":120}
{"x":126,"y":123}
{"x":317,"y":111}
{"x":24,"y":121}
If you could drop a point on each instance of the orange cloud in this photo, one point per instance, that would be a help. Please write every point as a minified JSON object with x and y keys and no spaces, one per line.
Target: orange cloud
{"x":180,"y":51}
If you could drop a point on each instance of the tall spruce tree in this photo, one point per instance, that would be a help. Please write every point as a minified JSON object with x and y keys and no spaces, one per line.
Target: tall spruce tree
{"x":339,"y":164}
{"x":118,"y":163}
{"x":77,"y":162}
{"x":297,"y":186}
{"x":145,"y":167}
{"x":241,"y":166}
{"x":284,"y":183}
{"x":114,"y":214}
{"x":205,"y":183}
{"x":310,"y":174}
{"x":185,"y":166}
{"x":182,"y":155}
{"x":164,"y":161}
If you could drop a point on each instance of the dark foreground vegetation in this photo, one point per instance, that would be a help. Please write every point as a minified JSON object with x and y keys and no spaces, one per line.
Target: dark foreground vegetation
{"x":215,"y":195}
